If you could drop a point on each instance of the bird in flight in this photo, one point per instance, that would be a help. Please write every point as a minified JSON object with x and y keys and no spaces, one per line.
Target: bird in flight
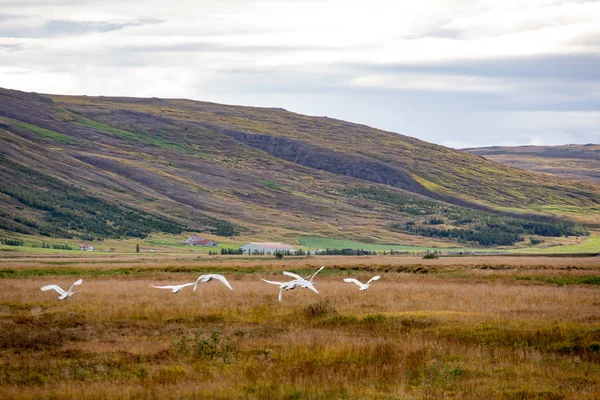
{"x":303,"y":283}
{"x":284,"y":286}
{"x":63,"y":294}
{"x":209,"y":277}
{"x":362,"y":286}
{"x":174,"y":288}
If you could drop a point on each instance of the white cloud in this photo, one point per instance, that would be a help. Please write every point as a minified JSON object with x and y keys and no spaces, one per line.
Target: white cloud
{"x":454,"y":66}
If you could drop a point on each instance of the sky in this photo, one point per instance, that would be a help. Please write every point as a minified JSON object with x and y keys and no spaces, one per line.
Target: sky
{"x":461,"y":73}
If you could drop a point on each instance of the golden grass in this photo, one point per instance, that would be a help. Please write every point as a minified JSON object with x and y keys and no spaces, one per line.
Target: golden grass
{"x":468,"y":328}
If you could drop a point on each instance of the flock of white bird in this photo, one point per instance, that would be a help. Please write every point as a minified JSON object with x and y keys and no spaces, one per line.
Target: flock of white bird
{"x":297,"y":282}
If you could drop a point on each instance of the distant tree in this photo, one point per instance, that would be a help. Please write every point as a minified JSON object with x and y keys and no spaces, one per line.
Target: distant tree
{"x":225,"y":228}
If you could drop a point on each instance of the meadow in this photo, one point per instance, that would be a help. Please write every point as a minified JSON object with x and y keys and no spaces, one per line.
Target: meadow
{"x":490,"y":327}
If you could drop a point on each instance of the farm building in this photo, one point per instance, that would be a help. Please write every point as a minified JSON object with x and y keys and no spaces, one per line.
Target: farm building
{"x":199,"y":241}
{"x":267,"y":248}
{"x":85,"y":246}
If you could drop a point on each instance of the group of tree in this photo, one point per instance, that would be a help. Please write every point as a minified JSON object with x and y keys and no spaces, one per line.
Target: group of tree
{"x":67,"y":211}
{"x":345,"y":252}
{"x":493,"y":230}
{"x":460,"y":223}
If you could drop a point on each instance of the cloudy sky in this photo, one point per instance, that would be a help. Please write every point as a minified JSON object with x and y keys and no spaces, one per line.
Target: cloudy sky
{"x":460,"y":73}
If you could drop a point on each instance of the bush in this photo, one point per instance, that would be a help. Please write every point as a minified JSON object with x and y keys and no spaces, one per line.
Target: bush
{"x":13,"y":242}
{"x":430,"y":256}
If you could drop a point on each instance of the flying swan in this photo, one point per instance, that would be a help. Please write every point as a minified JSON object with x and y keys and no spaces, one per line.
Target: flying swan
{"x":291,"y":285}
{"x":362,"y":286}
{"x":174,"y":288}
{"x":63,"y":294}
{"x":209,"y":277}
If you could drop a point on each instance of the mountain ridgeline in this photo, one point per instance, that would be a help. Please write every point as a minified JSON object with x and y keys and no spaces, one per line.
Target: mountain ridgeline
{"x":101,"y":167}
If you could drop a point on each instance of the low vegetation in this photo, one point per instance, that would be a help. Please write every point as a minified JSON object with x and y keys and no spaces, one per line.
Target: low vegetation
{"x":67,"y":211}
{"x":487,"y":327}
{"x":425,"y":217}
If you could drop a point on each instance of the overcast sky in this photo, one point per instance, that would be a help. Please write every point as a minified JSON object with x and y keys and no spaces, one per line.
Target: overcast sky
{"x":460,"y":73}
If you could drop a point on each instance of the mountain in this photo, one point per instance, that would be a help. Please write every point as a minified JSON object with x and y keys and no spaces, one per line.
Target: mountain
{"x":572,"y":161}
{"x":113,"y":166}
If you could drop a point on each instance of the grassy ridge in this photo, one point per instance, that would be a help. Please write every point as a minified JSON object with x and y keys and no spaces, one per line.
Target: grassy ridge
{"x":45,"y":133}
{"x":181,"y":160}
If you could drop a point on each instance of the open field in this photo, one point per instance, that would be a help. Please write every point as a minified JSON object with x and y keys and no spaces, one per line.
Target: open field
{"x":455,"y":327}
{"x":165,"y":245}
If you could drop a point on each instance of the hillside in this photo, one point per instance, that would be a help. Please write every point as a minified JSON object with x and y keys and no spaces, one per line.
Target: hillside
{"x":573,"y":161}
{"x":126,"y":166}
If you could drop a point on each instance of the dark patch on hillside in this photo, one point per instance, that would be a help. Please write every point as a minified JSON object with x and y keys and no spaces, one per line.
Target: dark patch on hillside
{"x":327,"y":160}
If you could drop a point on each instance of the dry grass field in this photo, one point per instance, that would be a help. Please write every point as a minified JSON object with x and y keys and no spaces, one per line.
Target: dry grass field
{"x":469,"y":328}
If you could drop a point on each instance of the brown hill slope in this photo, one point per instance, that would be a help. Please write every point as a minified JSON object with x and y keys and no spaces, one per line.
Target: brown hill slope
{"x":273,"y":171}
{"x":573,"y":161}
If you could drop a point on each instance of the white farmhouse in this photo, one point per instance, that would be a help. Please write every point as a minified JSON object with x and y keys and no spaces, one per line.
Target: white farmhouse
{"x":267,"y":248}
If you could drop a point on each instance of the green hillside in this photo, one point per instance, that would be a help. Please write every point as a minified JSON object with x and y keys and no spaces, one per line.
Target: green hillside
{"x":78,"y":166}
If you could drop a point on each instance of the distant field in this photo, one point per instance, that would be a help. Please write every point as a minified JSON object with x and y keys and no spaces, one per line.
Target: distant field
{"x":590,"y":245}
{"x":162,"y":244}
{"x":326,"y":243}
{"x":490,"y":327}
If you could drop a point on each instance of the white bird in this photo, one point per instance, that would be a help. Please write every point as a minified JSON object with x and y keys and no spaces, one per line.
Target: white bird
{"x":174,"y":288}
{"x":363,"y":286}
{"x":291,"y":285}
{"x":312,"y":277}
{"x":303,"y":283}
{"x":63,"y":294}
{"x":209,"y":277}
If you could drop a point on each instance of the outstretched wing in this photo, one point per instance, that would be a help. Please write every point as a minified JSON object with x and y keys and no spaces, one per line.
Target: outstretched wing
{"x":293,"y":275}
{"x":272,"y":282}
{"x":166,"y":287}
{"x":77,"y":282}
{"x":208,"y":277}
{"x":54,"y":287}
{"x":222,"y":279}
{"x":352,"y":280}
{"x":310,"y":279}
{"x":373,"y":279}
{"x":310,"y":286}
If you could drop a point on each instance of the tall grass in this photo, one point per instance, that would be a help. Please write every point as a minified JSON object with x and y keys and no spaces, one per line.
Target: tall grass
{"x":483,"y":334}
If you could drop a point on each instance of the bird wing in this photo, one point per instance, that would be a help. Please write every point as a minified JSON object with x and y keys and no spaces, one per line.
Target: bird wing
{"x":54,"y":287}
{"x":208,"y":277}
{"x":293,"y":275}
{"x":222,"y":279}
{"x":201,"y":279}
{"x":313,"y":275}
{"x":352,"y":280}
{"x":166,"y":287}
{"x":77,"y":282}
{"x":272,"y":282}
{"x":311,"y":287}
{"x":373,"y":279}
